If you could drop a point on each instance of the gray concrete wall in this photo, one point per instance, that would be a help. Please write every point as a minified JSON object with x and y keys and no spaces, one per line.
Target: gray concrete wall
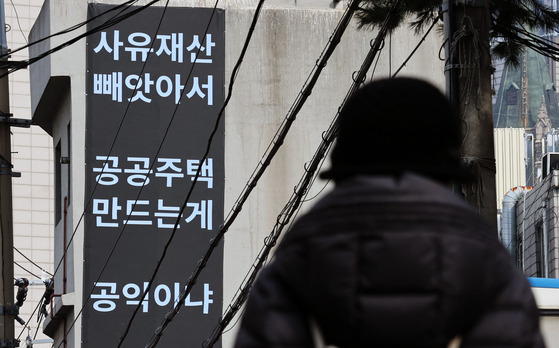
{"x":57,"y":100}
{"x":285,"y":47}
{"x":529,"y":216}
{"x":539,"y":207}
{"x":287,"y":42}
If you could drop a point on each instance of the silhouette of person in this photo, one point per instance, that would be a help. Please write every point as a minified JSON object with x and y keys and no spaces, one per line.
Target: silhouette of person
{"x":392,"y":257}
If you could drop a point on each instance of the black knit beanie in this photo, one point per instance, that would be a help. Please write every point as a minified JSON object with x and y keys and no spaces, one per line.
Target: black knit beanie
{"x":395,"y":125}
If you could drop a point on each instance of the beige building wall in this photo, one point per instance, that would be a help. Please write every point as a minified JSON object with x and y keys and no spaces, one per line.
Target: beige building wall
{"x":33,"y":191}
{"x":510,"y":158}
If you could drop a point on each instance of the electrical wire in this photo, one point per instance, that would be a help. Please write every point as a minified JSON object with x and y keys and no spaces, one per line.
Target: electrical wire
{"x":277,"y":142}
{"x":96,"y":184}
{"x":114,"y":20}
{"x":36,"y":265}
{"x":395,"y":74}
{"x":25,"y":63}
{"x":195,"y":179}
{"x":319,"y":192}
{"x":439,"y":17}
{"x":26,"y":270}
{"x":122,"y":6}
{"x":302,"y":189}
{"x":89,"y":200}
{"x":376,"y":64}
{"x":236,"y":321}
{"x":525,"y":38}
{"x":285,"y":217}
{"x":18,"y":23}
{"x":137,"y":198}
{"x":29,"y":320}
{"x":109,"y":153}
{"x":88,"y":32}
{"x":155,"y":339}
{"x":38,"y":326}
{"x":119,"y":128}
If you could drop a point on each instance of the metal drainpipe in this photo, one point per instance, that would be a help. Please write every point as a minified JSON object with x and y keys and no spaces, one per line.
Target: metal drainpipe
{"x":508,"y":227}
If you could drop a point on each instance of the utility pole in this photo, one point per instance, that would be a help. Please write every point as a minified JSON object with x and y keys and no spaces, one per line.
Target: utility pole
{"x":7,"y":308}
{"x":468,"y":84}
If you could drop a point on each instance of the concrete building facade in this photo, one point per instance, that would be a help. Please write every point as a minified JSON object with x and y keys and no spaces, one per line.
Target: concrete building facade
{"x":287,"y":42}
{"x":536,"y":229}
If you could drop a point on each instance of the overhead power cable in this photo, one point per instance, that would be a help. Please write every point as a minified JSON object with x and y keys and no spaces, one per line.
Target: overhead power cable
{"x":26,"y":270}
{"x":101,"y":28}
{"x":29,"y":320}
{"x":439,"y":17}
{"x":18,"y":22}
{"x":25,"y":63}
{"x":155,"y":339}
{"x":138,"y":196}
{"x":122,"y":6}
{"x":271,"y":151}
{"x":139,"y":193}
{"x":195,"y":179}
{"x":278,"y":141}
{"x":112,"y":146}
{"x":110,"y":151}
{"x":36,"y":265}
{"x":105,"y":25}
{"x":302,"y":188}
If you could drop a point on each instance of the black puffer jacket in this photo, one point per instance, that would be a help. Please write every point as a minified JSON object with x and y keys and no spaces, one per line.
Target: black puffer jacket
{"x":386,"y":262}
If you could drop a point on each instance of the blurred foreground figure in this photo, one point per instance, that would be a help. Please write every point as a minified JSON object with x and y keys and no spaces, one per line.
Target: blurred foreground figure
{"x":392,"y":257}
